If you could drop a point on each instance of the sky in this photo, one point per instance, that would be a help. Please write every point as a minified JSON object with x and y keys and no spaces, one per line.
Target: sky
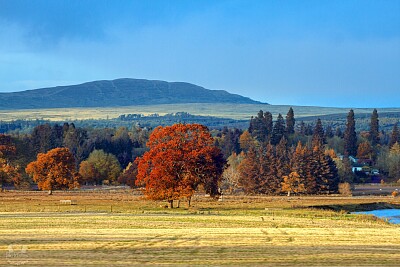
{"x":342,"y":53}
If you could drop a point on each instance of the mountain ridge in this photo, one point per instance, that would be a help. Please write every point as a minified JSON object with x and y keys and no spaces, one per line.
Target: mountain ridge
{"x":118,"y":92}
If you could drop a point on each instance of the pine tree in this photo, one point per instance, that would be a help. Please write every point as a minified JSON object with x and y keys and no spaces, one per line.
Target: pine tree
{"x":394,"y":136}
{"x":318,"y":134}
{"x":270,"y":183}
{"x":339,"y":132}
{"x":328,"y":132}
{"x":261,"y":126}
{"x":302,"y":128}
{"x":249,"y":171}
{"x":290,"y":121}
{"x":268,"y":123}
{"x":323,"y":170}
{"x":350,"y":136}
{"x":282,"y":162}
{"x":298,"y":165}
{"x":278,"y":130}
{"x":374,"y":128}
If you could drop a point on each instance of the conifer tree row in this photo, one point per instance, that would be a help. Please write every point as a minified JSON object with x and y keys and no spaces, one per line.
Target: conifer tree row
{"x":273,"y":169}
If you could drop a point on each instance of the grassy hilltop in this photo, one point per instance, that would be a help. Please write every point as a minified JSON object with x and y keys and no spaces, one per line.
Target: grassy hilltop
{"x":223,"y":110}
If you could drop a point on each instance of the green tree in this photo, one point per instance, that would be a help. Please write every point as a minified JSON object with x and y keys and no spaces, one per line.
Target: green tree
{"x":290,"y":121}
{"x":75,"y":139}
{"x":278,"y":130}
{"x":374,"y":129}
{"x":318,"y":134}
{"x":261,"y":126}
{"x":350,"y":136}
{"x":394,"y":137}
{"x":394,"y":161}
{"x":105,"y":166}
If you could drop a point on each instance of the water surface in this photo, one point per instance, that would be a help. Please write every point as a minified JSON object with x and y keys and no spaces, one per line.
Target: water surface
{"x":392,"y":215}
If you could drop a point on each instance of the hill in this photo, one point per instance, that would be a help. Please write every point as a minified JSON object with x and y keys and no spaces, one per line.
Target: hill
{"x":119,"y":92}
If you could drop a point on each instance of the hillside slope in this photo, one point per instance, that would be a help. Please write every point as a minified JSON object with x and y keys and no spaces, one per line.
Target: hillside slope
{"x":120,"y":92}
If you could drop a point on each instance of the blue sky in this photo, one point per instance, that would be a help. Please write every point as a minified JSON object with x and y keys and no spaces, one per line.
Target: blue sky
{"x":324,"y":53}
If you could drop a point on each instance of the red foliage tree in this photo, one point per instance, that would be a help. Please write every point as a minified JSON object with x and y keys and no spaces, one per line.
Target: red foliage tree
{"x":54,"y":170}
{"x":181,"y":157}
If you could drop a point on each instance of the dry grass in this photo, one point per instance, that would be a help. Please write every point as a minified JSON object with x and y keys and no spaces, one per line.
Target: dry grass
{"x":238,"y":231}
{"x":234,"y":111}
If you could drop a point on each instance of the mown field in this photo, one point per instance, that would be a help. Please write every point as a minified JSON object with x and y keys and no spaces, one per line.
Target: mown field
{"x":233,"y":111}
{"x":120,"y":229}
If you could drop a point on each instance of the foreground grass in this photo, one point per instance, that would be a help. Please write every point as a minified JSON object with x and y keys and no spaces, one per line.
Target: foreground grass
{"x":245,"y":231}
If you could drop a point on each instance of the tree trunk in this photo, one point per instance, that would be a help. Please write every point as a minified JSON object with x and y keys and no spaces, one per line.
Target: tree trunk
{"x":179,"y":202}
{"x":189,"y":200}
{"x":288,"y":193}
{"x":50,"y":192}
{"x":171,"y":204}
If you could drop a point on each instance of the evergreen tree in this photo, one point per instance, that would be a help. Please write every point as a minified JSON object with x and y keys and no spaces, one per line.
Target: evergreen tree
{"x":282,"y":159}
{"x":309,"y":129}
{"x":249,"y":170}
{"x":290,"y":121}
{"x":302,"y":128}
{"x":328,"y":132}
{"x":350,"y":136}
{"x":318,"y":134}
{"x":259,"y":127}
{"x":268,"y":123}
{"x":323,"y":170}
{"x":374,"y":128}
{"x":269,"y":183}
{"x":339,"y":132}
{"x":278,"y":130}
{"x":394,"y":136}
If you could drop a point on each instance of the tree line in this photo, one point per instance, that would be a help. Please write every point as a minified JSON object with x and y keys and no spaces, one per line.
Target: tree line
{"x":270,"y":157}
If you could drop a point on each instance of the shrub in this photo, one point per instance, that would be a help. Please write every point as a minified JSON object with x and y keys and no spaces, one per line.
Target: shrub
{"x":345,"y":189}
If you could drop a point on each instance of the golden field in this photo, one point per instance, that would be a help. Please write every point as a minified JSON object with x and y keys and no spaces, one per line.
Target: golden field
{"x":120,"y":228}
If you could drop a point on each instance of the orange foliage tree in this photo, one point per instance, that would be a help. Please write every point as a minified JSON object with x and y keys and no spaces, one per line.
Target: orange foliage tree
{"x":180,"y":158}
{"x":54,"y":170}
{"x":8,"y":172}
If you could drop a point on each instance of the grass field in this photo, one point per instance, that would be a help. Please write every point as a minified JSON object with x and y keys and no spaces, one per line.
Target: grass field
{"x":234,"y":111}
{"x":120,"y":229}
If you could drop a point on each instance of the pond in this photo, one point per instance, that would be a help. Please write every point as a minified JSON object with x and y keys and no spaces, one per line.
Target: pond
{"x":392,"y":215}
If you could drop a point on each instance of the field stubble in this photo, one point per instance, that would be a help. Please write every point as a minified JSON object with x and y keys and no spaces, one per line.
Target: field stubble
{"x":245,"y":231}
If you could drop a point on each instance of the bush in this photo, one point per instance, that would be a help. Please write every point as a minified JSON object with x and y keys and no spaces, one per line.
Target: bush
{"x":395,"y":193}
{"x":345,"y":189}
